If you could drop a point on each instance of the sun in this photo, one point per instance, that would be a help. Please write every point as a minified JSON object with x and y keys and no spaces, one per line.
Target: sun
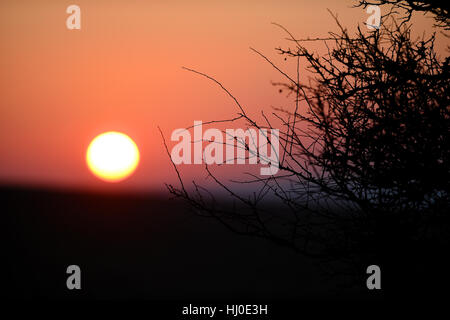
{"x":112,"y":156}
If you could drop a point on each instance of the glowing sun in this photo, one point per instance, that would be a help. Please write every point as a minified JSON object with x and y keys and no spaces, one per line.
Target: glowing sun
{"x":112,"y":156}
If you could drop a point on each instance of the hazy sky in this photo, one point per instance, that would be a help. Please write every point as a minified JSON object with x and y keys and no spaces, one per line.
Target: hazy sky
{"x":60,"y":88}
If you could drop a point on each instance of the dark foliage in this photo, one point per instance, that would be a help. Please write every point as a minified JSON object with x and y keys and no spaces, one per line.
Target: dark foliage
{"x":364,"y":162}
{"x":440,"y":10}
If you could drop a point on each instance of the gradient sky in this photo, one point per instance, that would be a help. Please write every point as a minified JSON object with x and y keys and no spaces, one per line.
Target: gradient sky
{"x":60,"y":88}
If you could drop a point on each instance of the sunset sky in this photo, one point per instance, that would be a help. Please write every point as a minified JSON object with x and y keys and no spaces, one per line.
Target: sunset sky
{"x":60,"y":88}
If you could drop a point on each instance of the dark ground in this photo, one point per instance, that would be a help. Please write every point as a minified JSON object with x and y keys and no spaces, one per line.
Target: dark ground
{"x":146,"y":247}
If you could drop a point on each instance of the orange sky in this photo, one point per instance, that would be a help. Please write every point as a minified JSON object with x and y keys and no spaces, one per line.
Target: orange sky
{"x":60,"y":88}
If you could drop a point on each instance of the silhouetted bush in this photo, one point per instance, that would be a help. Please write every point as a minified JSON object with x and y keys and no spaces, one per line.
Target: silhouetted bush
{"x":364,"y":162}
